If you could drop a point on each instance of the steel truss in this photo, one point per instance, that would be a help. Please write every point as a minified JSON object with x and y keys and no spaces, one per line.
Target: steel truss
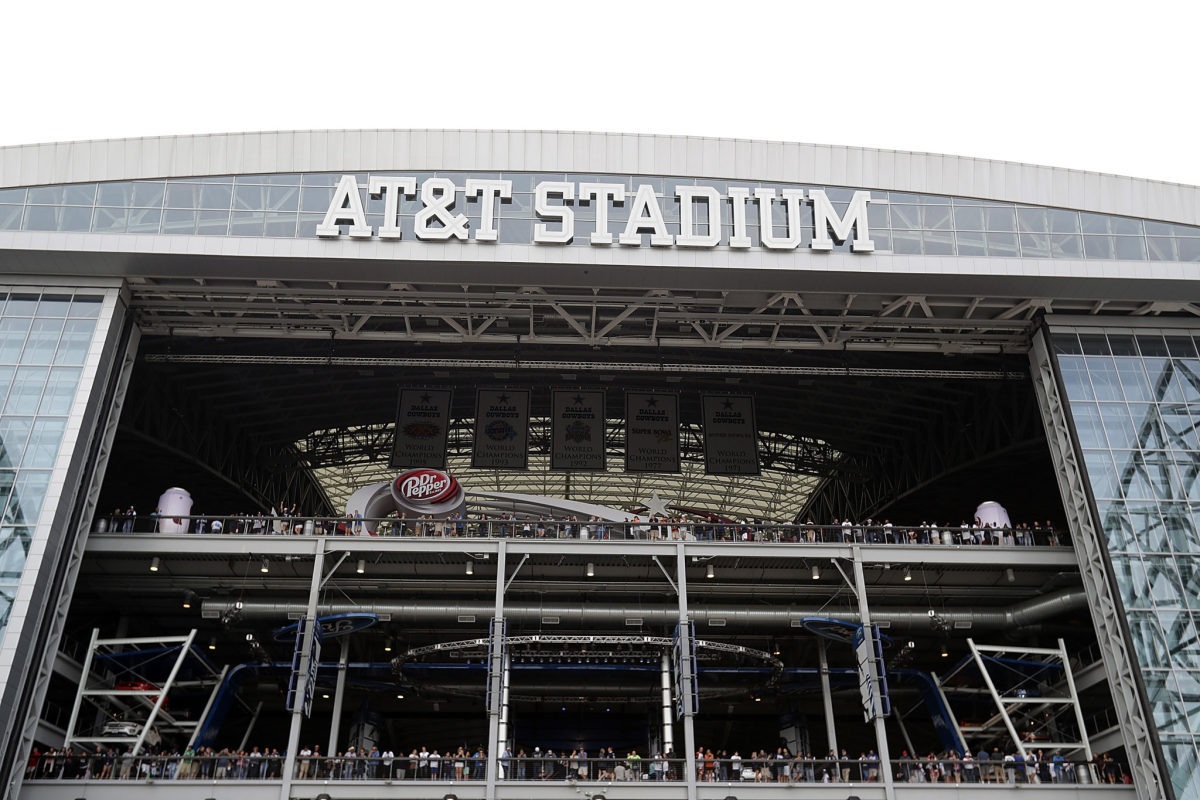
{"x":178,"y":422}
{"x":610,"y":646}
{"x":598,"y":316}
{"x":145,"y":697}
{"x":1033,"y":689}
{"x":1129,"y":697}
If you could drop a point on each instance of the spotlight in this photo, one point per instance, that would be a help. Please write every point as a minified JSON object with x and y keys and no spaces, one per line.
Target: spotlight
{"x":816,"y":572}
{"x":709,"y":573}
{"x":945,"y":652}
{"x":212,"y":643}
{"x":362,"y":566}
{"x":908,"y":573}
{"x":912,"y":645}
{"x":154,"y":562}
{"x":932,"y":613}
{"x":265,"y":568}
{"x":387,"y":646}
{"x":470,"y":567}
{"x":1012,"y":576}
{"x":591,"y":570}
{"x":249,"y":637}
{"x":325,"y":696}
{"x":239,"y":605}
{"x":189,"y":597}
{"x":399,"y":697}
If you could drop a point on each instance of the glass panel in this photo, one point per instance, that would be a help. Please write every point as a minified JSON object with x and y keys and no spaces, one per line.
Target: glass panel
{"x":143,"y":220}
{"x":29,"y":491}
{"x":26,"y":390}
{"x":1003,"y":245}
{"x":60,"y":390}
{"x":43,"y":444}
{"x":14,"y":433}
{"x":42,"y":342}
{"x":1032,"y":220}
{"x":13,"y":332}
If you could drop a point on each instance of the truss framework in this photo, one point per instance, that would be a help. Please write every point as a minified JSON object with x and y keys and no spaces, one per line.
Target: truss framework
{"x":601,"y":317}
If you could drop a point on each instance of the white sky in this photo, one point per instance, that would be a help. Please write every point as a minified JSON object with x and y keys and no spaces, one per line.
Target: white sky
{"x":1090,"y":85}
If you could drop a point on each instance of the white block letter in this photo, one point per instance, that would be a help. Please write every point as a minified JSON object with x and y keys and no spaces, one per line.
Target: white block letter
{"x":392,"y":190}
{"x":563,"y":213}
{"x":738,"y":195}
{"x":766,"y":199}
{"x":602,"y":192}
{"x":346,"y":207}
{"x":687,"y":196}
{"x":645,"y":213}
{"x":492,"y":190}
{"x":825,"y":218}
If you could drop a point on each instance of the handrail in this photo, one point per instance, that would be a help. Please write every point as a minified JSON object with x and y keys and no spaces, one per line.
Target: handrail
{"x":601,"y":530}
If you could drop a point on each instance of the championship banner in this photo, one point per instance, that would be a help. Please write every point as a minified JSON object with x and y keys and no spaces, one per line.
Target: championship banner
{"x":501,"y":429}
{"x":422,"y":425}
{"x":730,"y":435}
{"x":651,"y":432}
{"x":577,"y":430}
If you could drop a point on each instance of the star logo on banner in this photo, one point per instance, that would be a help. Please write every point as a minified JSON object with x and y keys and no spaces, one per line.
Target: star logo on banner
{"x":425,"y":397}
{"x":728,"y":404}
{"x":655,"y":506}
{"x":651,"y":402}
{"x":502,"y":398}
{"x":577,"y":399}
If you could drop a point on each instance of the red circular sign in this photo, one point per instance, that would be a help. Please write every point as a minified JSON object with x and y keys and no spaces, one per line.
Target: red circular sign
{"x":427,"y":491}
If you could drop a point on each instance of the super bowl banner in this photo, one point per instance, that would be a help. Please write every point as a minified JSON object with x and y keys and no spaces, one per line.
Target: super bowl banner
{"x":730,"y":441}
{"x":651,"y":432}
{"x":577,"y":430}
{"x":422,"y":424}
{"x":501,"y":429}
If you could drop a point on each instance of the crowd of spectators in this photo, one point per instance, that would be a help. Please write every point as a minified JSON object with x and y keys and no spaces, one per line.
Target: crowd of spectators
{"x":606,"y":765}
{"x":713,"y":529}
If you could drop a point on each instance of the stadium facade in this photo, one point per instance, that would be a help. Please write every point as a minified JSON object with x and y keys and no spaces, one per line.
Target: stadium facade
{"x":235,"y":314}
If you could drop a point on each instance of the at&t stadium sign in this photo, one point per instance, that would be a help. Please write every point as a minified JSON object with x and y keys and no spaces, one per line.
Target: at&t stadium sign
{"x":634,"y":215}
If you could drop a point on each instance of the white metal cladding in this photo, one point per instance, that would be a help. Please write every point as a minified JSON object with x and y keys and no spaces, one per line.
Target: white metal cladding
{"x":576,"y":152}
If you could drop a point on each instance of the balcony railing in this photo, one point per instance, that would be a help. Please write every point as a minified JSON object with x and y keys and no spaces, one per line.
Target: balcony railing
{"x":415,"y":768}
{"x":597,"y":530}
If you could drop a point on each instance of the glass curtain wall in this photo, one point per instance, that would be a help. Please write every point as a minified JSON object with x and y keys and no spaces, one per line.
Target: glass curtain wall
{"x":1135,"y":399}
{"x":45,"y":339}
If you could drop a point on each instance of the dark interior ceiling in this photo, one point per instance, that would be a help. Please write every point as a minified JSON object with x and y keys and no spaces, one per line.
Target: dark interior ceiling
{"x":859,"y":410}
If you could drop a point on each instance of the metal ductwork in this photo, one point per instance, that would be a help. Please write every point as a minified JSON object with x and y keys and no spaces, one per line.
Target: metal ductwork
{"x":734,"y":618}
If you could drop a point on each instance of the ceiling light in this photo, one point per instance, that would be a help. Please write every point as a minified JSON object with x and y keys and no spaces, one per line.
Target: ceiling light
{"x":710,"y":573}
{"x":249,"y":637}
{"x":470,"y":567}
{"x":399,"y":697}
{"x":816,"y":572}
{"x":362,"y":566}
{"x":212,"y":643}
{"x":189,"y":597}
{"x":387,"y":646}
{"x":591,"y":570}
{"x":908,"y":573}
{"x":265,"y":568}
{"x":154,"y":562}
{"x":325,"y":696}
{"x":945,"y":652}
{"x":239,"y":605}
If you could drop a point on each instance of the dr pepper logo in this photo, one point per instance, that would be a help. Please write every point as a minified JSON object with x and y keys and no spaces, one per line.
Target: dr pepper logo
{"x":426,"y":486}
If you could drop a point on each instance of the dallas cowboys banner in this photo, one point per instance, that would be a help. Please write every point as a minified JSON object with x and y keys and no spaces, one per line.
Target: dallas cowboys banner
{"x":501,"y":429}
{"x":730,"y":438}
{"x":651,"y":432}
{"x":422,"y":424}
{"x":577,"y":430}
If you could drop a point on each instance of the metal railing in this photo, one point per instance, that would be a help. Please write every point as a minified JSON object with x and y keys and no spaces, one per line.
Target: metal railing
{"x":602,"y":530}
{"x":453,"y":768}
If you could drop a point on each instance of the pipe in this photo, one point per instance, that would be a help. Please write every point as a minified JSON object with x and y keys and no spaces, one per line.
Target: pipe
{"x":737,"y":618}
